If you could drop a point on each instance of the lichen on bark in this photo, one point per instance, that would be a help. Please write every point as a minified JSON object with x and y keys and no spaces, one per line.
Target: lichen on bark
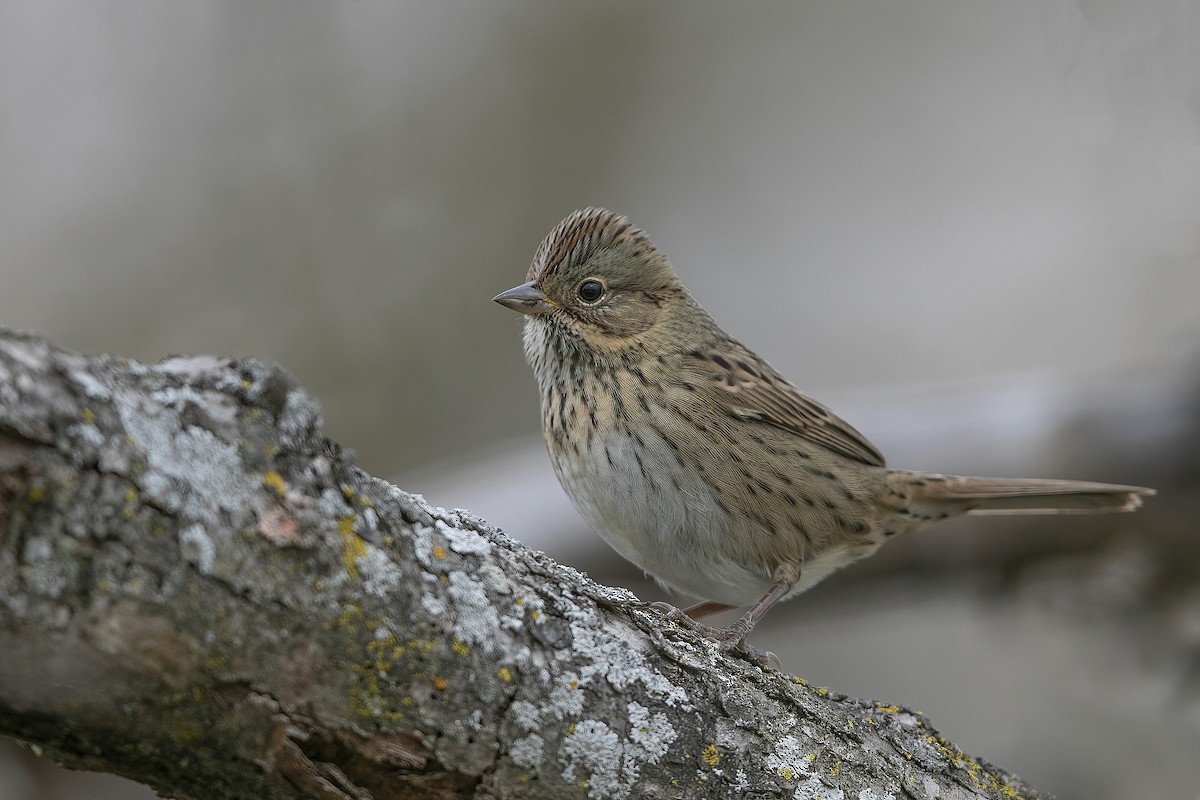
{"x":199,"y":591}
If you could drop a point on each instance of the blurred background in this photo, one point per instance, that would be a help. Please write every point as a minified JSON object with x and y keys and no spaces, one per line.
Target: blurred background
{"x":972,"y":228}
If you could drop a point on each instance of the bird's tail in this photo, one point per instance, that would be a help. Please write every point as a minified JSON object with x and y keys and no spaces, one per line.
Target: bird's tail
{"x":937,"y":496}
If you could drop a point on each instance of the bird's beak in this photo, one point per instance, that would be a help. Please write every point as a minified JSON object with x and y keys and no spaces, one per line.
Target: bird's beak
{"x":526,"y":298}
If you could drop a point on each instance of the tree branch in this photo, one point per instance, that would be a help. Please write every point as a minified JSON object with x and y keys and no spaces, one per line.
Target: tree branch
{"x":200,"y":592}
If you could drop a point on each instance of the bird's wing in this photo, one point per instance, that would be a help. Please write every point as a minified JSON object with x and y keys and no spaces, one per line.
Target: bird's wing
{"x":751,"y":390}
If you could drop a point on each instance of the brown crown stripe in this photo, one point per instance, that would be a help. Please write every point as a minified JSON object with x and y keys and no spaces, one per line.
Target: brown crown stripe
{"x":580,"y":233}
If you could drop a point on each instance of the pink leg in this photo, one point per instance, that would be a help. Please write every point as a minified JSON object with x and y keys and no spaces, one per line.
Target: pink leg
{"x":706,"y":609}
{"x":691,"y":613}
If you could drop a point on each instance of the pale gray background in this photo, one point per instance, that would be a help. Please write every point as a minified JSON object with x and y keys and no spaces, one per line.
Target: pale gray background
{"x":912,"y":208}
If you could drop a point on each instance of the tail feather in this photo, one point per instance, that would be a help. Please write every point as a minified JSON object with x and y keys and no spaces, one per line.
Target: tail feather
{"x":941,"y":494}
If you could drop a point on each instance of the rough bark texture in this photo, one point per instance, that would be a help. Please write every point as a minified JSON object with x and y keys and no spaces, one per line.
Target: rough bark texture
{"x":200,"y":592}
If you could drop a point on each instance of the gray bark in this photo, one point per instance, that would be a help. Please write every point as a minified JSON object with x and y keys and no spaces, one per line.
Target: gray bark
{"x":200,"y":592}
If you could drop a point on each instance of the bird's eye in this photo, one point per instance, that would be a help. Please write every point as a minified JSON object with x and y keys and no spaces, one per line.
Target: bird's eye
{"x":591,"y":290}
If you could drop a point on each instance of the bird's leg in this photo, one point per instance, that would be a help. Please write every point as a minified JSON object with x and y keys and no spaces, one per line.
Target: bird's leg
{"x":734,"y":637}
{"x":706,"y":609}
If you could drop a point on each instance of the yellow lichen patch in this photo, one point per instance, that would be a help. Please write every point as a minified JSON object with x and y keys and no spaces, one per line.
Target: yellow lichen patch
{"x":504,"y":675}
{"x":836,"y":769}
{"x":373,"y":693}
{"x":348,"y":492}
{"x":88,"y":416}
{"x":439,"y":552}
{"x":823,"y":692}
{"x":947,"y":751}
{"x":364,"y":700}
{"x":984,"y":781}
{"x":710,"y":756}
{"x":787,"y":774}
{"x":460,"y":649}
{"x":352,"y":546}
{"x":130,"y":509}
{"x":36,"y":495}
{"x":216,"y":665}
{"x":1010,"y":793}
{"x":348,"y":620}
{"x":385,"y":651}
{"x":424,"y":647}
{"x":188,"y":732}
{"x":887,"y":709}
{"x":274,"y":481}
{"x":440,"y":684}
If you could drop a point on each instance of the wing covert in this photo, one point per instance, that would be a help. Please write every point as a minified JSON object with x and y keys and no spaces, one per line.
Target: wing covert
{"x":752,"y":390}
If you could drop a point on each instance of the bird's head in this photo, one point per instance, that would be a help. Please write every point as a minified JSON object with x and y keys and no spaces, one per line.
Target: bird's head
{"x":598,"y":279}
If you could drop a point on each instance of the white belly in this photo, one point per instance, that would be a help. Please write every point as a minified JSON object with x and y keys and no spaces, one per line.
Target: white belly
{"x":680,"y":536}
{"x":674,"y":534}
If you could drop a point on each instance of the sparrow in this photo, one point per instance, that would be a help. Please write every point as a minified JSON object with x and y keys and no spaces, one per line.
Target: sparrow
{"x":696,"y":460}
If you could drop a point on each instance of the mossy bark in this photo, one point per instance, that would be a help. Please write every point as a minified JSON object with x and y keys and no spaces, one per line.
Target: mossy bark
{"x":200,"y":592}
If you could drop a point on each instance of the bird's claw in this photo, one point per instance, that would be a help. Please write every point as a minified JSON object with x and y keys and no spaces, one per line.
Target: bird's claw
{"x":730,"y":640}
{"x":672,"y":613}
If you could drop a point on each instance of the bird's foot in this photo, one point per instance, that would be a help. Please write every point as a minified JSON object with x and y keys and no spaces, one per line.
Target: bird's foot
{"x":731,"y":639}
{"x":673,"y":614}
